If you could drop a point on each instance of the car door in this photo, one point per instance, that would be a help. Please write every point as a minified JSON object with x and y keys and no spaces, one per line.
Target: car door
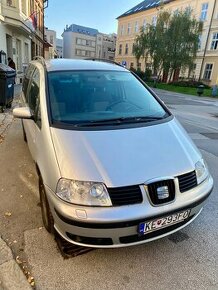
{"x":32,"y":100}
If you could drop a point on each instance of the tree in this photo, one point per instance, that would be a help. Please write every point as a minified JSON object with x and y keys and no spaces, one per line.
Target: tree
{"x":170,"y":45}
{"x":140,"y":45}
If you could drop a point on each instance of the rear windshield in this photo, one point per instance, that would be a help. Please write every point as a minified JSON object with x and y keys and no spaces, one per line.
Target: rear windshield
{"x":86,"y":97}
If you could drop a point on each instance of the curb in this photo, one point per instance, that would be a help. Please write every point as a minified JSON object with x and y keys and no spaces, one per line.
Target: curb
{"x":203,"y":98}
{"x":11,"y":276}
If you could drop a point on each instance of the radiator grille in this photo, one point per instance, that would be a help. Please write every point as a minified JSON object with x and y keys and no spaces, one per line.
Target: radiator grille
{"x":187,"y":181}
{"x":125,"y":195}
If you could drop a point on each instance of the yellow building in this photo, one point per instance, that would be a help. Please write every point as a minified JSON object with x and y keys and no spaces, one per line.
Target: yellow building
{"x":129,"y":24}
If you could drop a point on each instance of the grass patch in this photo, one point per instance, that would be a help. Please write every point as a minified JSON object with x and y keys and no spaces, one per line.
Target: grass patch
{"x":181,"y":90}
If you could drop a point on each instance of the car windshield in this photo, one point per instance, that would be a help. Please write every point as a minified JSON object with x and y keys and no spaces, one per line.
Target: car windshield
{"x":100,"y":97}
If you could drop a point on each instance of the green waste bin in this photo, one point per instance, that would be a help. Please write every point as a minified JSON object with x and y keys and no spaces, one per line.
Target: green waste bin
{"x":200,"y":90}
{"x":7,"y":80}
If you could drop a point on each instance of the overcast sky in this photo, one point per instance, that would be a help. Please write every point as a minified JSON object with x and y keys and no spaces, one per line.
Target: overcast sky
{"x":98,"y":14}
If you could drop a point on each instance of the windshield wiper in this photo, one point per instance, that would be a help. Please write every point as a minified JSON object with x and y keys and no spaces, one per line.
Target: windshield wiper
{"x":118,"y":121}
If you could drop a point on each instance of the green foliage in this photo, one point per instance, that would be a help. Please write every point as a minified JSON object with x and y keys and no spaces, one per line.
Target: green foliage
{"x":146,"y":76}
{"x":172,"y":44}
{"x":189,"y":84}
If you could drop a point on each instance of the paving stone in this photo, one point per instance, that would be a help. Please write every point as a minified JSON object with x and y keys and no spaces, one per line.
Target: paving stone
{"x":5,"y":252}
{"x":12,"y":277}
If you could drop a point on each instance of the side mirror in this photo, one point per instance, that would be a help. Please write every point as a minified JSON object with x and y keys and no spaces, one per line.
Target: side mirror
{"x":22,"y":113}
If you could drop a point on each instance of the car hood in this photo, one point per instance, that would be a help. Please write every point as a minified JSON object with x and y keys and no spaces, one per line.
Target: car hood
{"x":125,"y":157}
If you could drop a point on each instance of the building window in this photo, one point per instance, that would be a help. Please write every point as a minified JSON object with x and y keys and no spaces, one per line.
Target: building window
{"x":136,"y":26}
{"x":131,"y":65}
{"x":78,"y":41}
{"x":129,"y":29}
{"x":120,"y":49}
{"x":127,"y":49}
{"x":154,"y":20}
{"x":51,"y":39}
{"x":208,"y":71}
{"x":176,"y":12}
{"x":139,"y":66}
{"x":188,"y":10}
{"x":11,"y":3}
{"x":122,"y":30}
{"x":204,"y":9}
{"x":214,"y":44}
{"x":199,"y":42}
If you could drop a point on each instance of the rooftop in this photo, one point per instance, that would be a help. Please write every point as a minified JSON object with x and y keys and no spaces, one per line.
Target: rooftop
{"x":144,"y":5}
{"x":81,"y":29}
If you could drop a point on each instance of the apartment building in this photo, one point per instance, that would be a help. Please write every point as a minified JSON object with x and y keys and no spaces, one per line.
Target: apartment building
{"x":146,"y":12}
{"x":21,"y":30}
{"x":86,"y":42}
{"x":50,"y":43}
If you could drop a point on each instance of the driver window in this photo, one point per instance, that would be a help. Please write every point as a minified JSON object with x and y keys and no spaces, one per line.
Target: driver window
{"x":33,"y":96}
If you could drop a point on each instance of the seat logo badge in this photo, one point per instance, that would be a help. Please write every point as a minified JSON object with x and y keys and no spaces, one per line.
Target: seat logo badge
{"x":163,"y":192}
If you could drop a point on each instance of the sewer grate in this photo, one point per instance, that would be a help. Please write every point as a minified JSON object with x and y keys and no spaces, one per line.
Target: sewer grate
{"x":213,"y":136}
{"x":69,"y":250}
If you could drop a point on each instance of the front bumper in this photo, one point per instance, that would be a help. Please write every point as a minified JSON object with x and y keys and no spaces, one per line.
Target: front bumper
{"x":118,"y":226}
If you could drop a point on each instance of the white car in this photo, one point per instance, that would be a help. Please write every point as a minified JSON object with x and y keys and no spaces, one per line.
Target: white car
{"x":115,"y":166}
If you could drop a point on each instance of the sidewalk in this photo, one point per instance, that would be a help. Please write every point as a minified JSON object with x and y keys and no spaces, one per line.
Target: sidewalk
{"x":206,"y":100}
{"x":11,"y":275}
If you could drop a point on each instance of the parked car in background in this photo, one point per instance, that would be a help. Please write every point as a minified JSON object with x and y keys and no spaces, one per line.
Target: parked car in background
{"x":115,"y":166}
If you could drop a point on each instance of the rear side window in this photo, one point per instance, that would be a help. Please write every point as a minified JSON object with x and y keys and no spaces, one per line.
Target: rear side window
{"x":26,"y":80}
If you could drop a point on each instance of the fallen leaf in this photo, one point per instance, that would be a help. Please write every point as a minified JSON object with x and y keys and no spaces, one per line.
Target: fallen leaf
{"x":8,"y":213}
{"x":40,"y":228}
{"x":21,"y":196}
{"x":30,"y":279}
{"x":18,"y":260}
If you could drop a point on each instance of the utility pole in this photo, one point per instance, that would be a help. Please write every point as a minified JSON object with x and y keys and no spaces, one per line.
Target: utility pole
{"x":207,"y":40}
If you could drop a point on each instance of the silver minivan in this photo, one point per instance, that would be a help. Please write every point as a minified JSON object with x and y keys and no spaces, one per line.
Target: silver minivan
{"x":115,"y":166}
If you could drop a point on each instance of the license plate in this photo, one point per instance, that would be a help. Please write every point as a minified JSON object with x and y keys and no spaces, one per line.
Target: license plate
{"x":157,"y":224}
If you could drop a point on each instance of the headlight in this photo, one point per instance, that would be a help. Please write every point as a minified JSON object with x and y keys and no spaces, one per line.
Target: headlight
{"x":201,"y":171}
{"x":83,"y":193}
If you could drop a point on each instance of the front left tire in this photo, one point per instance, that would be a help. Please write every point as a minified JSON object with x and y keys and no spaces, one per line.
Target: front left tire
{"x":47,"y":217}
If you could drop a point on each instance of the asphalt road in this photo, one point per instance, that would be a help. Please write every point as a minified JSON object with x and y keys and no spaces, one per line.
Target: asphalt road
{"x":185,"y":260}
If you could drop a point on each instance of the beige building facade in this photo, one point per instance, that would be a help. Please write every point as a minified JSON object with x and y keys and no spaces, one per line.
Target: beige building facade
{"x":146,"y":12}
{"x":50,"y":47}
{"x":21,"y":31}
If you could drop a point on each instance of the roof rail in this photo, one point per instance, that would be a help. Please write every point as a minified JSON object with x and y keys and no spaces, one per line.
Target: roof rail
{"x":104,"y":60}
{"x":41,"y":59}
